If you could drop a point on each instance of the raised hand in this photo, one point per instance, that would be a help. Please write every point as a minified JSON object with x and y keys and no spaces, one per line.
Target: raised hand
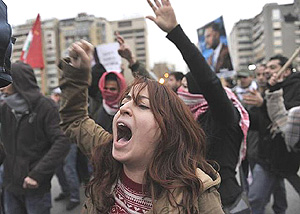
{"x":253,"y":98}
{"x":125,"y":51}
{"x":81,"y":54}
{"x":275,"y":79}
{"x":165,"y":17}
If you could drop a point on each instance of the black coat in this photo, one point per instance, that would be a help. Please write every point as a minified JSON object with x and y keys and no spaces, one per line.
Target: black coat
{"x":34,"y":144}
{"x":221,"y":122}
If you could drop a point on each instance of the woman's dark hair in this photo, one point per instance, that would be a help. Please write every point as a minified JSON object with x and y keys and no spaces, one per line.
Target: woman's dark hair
{"x":179,"y":152}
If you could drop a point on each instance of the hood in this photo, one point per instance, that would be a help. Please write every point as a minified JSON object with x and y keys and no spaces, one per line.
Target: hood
{"x":120,"y":79}
{"x":25,"y":83}
{"x":209,"y":180}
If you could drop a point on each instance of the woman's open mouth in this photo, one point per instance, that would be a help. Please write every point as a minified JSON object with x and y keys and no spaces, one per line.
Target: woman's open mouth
{"x":124,"y":133}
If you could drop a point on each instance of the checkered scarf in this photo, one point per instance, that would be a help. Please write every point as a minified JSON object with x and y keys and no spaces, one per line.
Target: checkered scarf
{"x":198,"y":105}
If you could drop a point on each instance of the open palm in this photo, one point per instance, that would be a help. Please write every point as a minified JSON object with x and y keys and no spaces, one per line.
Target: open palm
{"x":165,"y":17}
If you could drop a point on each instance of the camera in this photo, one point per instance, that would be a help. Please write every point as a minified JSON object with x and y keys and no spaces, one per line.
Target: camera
{"x":5,"y":47}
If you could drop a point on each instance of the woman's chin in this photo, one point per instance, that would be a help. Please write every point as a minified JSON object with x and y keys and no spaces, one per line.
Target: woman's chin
{"x":119,"y":156}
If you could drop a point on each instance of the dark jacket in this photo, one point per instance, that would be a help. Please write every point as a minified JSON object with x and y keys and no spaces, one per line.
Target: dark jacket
{"x":220,"y":123}
{"x":2,"y":153}
{"x":34,"y":144}
{"x":272,"y":152}
{"x":95,"y":96}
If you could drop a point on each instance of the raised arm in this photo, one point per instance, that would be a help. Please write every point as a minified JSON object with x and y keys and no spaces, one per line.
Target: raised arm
{"x":137,"y":68}
{"x":221,"y":107}
{"x":74,"y":82}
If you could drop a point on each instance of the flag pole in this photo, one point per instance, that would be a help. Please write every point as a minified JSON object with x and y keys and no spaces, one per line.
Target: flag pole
{"x":43,"y":81}
{"x":43,"y":85}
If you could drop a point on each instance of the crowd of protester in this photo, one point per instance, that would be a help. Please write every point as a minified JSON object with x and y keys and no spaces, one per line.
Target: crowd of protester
{"x":146,"y":147}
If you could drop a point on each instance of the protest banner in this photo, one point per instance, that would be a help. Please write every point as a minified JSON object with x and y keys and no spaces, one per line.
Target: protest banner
{"x":213,"y":44}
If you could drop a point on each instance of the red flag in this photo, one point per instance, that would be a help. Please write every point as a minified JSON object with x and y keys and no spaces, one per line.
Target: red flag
{"x":32,"y":52}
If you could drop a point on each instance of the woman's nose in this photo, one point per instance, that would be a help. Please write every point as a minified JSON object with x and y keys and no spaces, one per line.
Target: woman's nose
{"x":126,"y":108}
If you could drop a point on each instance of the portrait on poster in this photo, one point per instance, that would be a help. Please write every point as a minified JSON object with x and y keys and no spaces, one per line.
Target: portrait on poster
{"x":213,"y":44}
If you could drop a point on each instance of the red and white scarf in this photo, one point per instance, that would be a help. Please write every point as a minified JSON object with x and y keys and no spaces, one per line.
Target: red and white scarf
{"x":198,"y":105}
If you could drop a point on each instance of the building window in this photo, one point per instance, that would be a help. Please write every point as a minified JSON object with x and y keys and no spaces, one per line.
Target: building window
{"x":244,"y":42}
{"x":125,"y":32}
{"x":278,"y":50}
{"x":139,"y":30}
{"x":276,"y":14}
{"x":277,"y":43}
{"x":276,"y":25}
{"x":245,"y":49}
{"x":52,"y":76}
{"x":277,"y":33}
{"x":125,"y":24}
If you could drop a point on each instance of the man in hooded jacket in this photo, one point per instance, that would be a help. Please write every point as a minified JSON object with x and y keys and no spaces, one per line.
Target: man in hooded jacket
{"x":33,"y":141}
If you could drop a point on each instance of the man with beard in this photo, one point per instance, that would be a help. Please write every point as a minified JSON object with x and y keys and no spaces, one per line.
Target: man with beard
{"x":220,"y":58}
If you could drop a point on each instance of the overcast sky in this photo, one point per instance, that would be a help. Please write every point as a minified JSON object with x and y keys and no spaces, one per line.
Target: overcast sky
{"x":191,"y":14}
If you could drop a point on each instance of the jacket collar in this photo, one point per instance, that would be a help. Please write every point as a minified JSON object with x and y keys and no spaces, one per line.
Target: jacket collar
{"x":163,"y":206}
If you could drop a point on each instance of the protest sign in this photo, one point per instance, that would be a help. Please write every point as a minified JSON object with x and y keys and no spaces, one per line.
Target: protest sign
{"x":214,"y":47}
{"x":109,"y":57}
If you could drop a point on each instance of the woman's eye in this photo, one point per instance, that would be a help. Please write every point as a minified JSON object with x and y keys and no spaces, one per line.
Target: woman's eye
{"x":143,"y":106}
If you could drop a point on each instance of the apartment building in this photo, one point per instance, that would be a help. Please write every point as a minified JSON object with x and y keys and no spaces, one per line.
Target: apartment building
{"x":273,"y":31}
{"x":241,"y":46}
{"x":58,"y":35}
{"x":88,"y":27}
{"x":135,"y":33}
